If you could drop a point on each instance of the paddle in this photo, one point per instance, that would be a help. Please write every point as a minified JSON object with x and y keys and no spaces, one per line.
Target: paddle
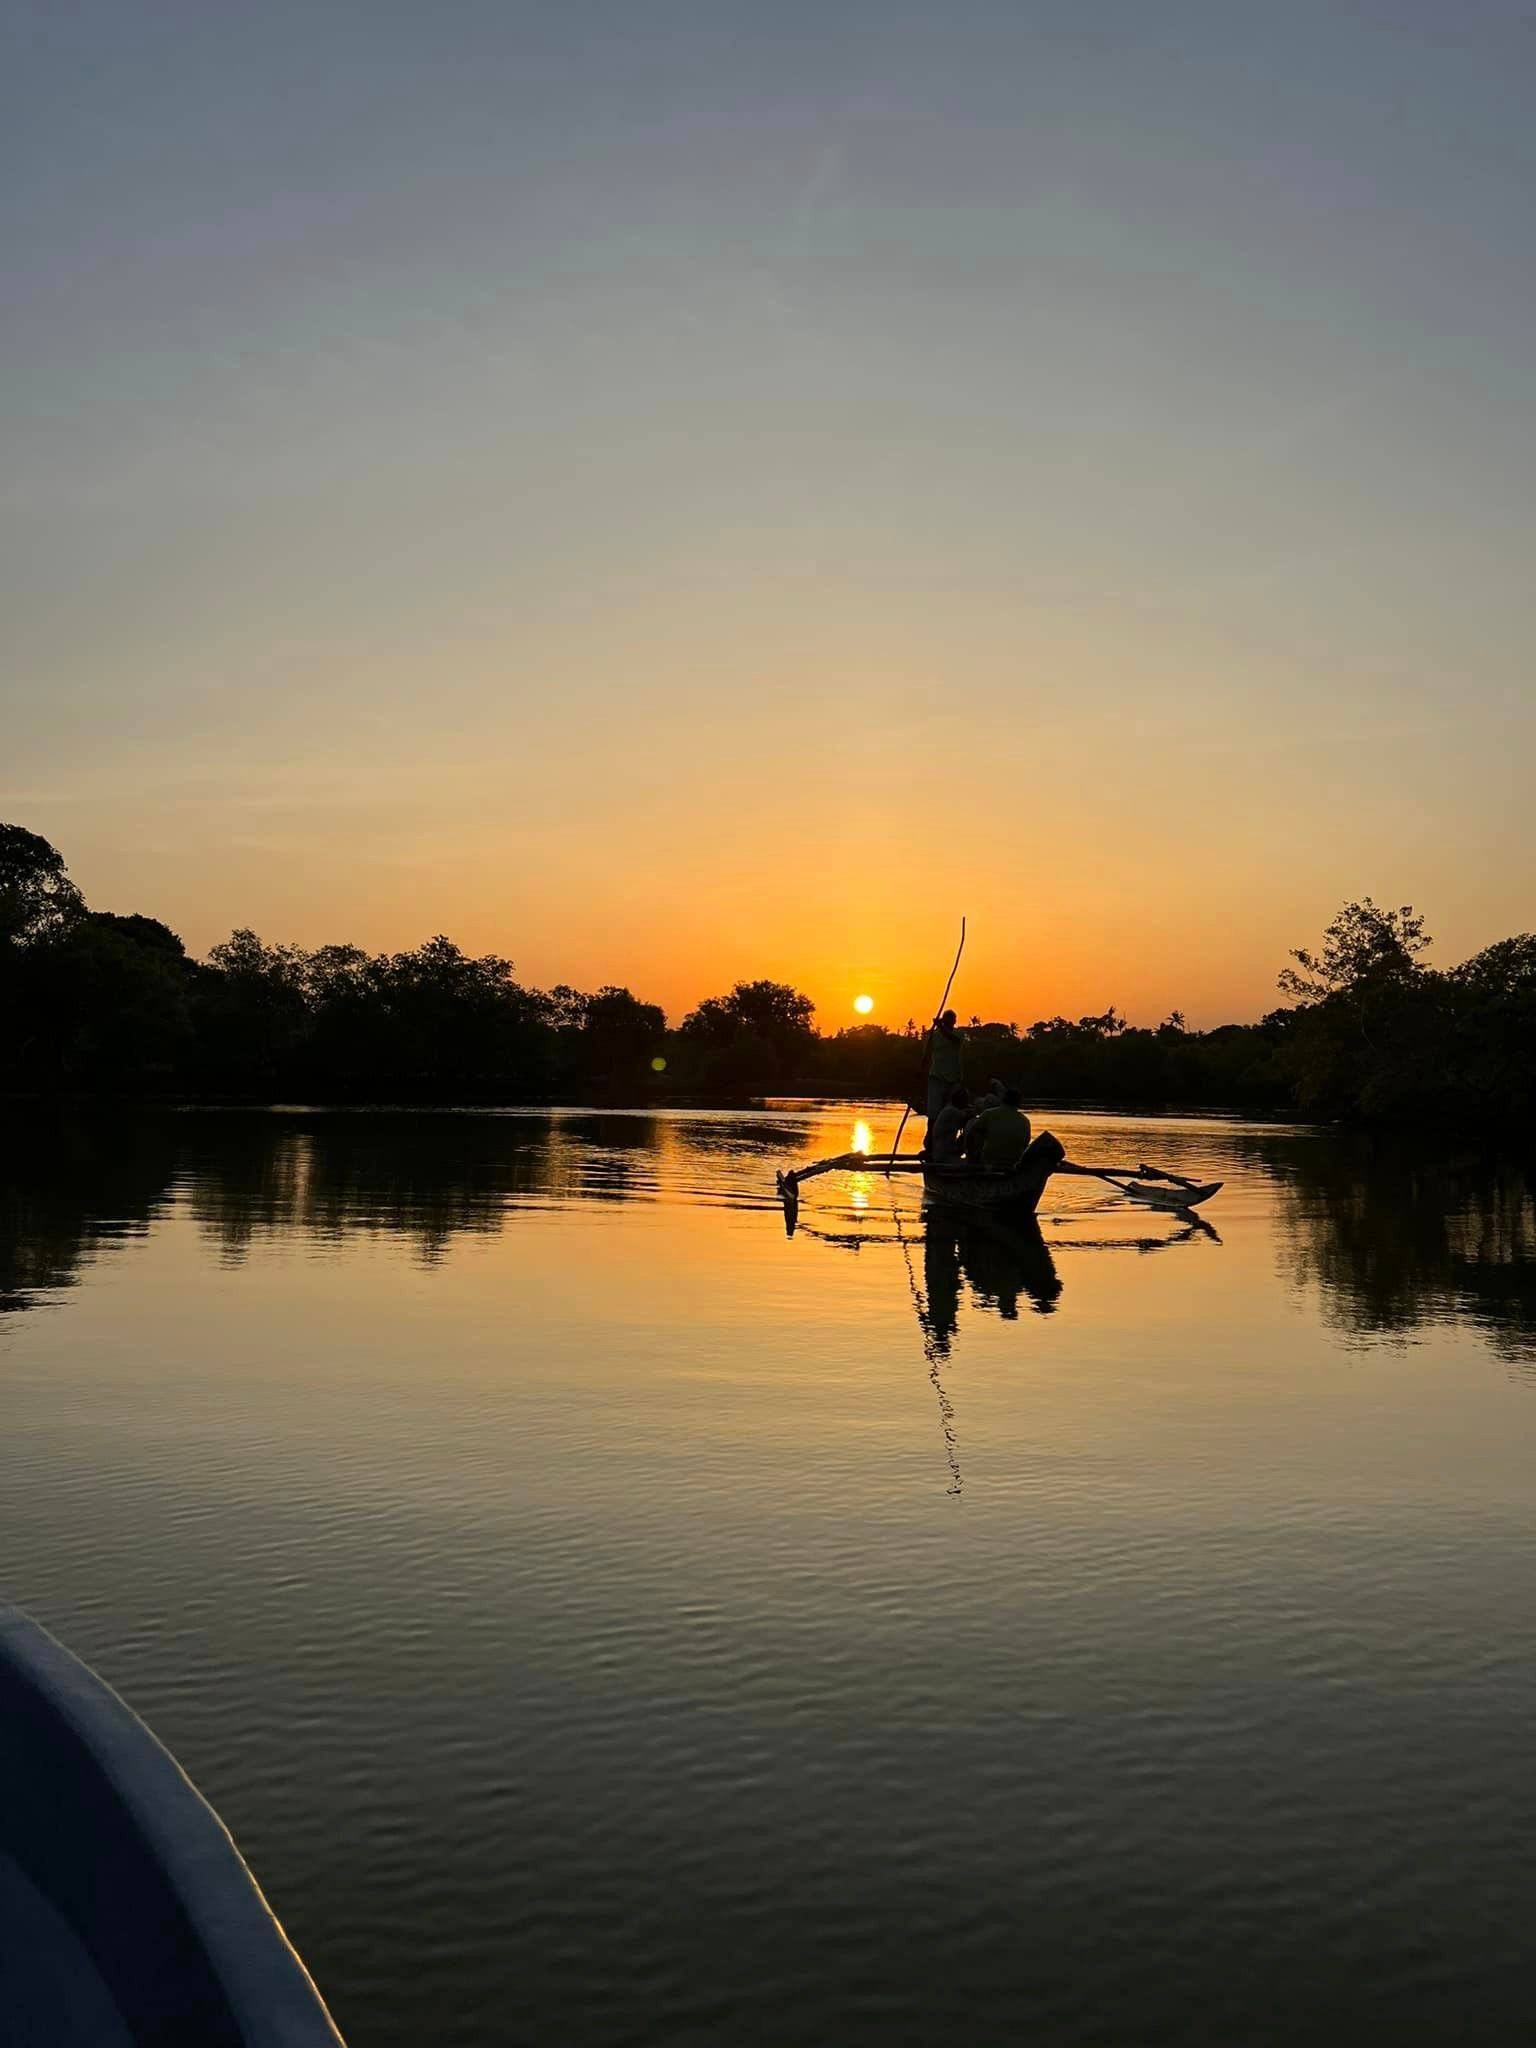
{"x":927,"y":1046}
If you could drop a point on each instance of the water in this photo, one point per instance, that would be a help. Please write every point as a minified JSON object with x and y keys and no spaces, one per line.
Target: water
{"x":604,"y":1618}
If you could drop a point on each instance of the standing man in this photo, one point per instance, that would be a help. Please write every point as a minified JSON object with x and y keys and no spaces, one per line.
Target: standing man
{"x":946,"y":1064}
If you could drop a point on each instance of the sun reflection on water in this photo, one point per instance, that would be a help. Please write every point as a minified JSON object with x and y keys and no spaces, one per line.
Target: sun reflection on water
{"x":863,"y":1138}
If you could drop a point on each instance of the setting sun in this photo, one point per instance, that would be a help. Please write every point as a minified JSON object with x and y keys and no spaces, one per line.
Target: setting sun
{"x":863,"y":1004}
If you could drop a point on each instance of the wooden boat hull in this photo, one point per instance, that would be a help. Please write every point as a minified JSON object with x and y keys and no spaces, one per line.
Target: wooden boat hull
{"x":1019,"y":1192}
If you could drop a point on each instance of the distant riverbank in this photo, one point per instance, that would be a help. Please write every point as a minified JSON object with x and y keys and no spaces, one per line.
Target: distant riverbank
{"x":638,"y":1103}
{"x":95,"y":1003}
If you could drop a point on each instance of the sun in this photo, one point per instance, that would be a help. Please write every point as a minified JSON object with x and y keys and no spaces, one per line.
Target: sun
{"x":863,"y":1004}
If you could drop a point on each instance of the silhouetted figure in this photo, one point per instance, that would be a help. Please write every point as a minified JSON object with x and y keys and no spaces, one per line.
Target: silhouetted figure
{"x":946,"y":1064}
{"x":1002,"y":1262}
{"x":998,"y":1138}
{"x":1001,"y":1259}
{"x":942,"y":1144}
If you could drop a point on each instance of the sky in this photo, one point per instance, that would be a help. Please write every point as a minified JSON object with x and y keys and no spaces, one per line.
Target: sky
{"x":674,"y":492}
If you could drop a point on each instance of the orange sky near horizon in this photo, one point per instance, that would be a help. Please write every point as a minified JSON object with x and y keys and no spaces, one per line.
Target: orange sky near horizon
{"x":810,"y":784}
{"x":723,"y":496}
{"x":840,"y":909}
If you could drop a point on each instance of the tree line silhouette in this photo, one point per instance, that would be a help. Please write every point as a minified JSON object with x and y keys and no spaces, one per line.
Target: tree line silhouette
{"x":92,"y":1001}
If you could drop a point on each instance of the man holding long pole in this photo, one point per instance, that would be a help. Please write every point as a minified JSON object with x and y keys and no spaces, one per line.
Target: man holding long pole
{"x":946,"y":1063}
{"x":938,"y":1022}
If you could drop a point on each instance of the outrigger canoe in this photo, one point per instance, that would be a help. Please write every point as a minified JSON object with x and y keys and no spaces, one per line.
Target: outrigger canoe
{"x":127,"y":1916}
{"x":1018,"y":1190}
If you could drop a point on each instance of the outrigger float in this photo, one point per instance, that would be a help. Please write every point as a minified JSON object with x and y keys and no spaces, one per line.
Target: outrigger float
{"x":1018,"y":1190}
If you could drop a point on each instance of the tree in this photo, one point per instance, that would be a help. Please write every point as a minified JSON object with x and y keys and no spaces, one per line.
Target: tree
{"x":1372,"y":1032}
{"x":747,"y":1062}
{"x":243,"y":957}
{"x":464,"y":1021}
{"x":252,"y":1011}
{"x":567,"y":1007}
{"x":1493,"y":999}
{"x":868,"y":1059}
{"x":777,"y":1013}
{"x":1505,"y":971}
{"x":37,"y":898}
{"x":147,"y":933}
{"x":105,"y":1009}
{"x":1364,"y":948}
{"x":618,"y":1032}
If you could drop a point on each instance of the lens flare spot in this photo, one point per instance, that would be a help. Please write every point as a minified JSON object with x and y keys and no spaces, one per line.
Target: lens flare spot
{"x":863,"y":1004}
{"x":658,"y":1065}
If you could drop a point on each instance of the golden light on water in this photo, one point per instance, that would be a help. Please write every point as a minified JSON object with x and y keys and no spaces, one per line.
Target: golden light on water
{"x":863,"y":1004}
{"x":863,"y":1138}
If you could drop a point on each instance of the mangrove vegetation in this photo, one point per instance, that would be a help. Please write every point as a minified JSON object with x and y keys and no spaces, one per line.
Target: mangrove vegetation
{"x":92,"y":1001}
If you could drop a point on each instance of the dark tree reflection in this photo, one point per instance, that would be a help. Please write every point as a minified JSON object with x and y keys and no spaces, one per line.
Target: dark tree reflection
{"x":1394,"y":1239}
{"x":71,"y":1187}
{"x":428,"y":1178}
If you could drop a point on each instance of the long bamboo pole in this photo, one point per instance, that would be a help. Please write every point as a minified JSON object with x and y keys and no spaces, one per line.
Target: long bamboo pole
{"x":927,"y":1045}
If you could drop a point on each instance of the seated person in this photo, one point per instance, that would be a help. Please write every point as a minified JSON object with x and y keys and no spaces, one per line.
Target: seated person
{"x":942,"y":1145}
{"x":991,"y":1097}
{"x":998,"y":1138}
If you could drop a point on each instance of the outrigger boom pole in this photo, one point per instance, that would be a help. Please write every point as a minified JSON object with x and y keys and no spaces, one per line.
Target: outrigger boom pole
{"x":847,"y":1162}
{"x":1130,"y":1180}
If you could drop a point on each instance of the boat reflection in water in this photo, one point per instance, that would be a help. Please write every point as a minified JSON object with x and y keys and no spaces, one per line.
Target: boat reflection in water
{"x":1002,"y":1258}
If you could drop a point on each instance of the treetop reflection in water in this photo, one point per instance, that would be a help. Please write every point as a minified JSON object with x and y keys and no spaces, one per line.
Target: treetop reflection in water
{"x":1388,"y":1238}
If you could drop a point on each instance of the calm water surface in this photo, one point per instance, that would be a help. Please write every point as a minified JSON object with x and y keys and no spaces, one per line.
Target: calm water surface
{"x":605,"y":1618}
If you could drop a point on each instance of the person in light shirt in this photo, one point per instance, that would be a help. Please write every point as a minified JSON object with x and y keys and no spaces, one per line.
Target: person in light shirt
{"x":999,"y":1137}
{"x":946,"y":1064}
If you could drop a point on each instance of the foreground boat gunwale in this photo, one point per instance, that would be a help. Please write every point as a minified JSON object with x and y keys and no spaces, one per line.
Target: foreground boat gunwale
{"x":150,"y":1881}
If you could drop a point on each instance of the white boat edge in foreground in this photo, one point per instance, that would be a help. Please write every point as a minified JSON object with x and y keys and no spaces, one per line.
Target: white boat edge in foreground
{"x":116,"y":1839}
